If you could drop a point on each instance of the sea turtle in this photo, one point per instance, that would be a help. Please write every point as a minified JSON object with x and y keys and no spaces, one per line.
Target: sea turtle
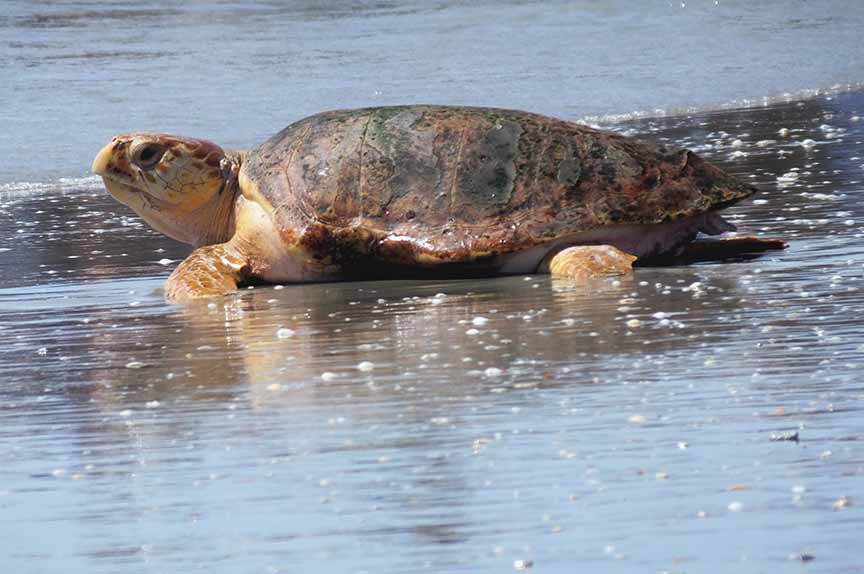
{"x":419,"y":191}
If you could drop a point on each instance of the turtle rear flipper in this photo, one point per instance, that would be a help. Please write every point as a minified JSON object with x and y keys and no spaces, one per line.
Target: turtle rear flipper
{"x":718,"y":250}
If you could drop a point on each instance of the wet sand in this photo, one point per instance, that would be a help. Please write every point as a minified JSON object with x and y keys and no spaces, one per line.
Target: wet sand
{"x":448,"y":426}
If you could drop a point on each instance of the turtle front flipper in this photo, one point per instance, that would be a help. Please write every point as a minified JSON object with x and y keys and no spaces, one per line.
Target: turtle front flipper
{"x":590,"y":261}
{"x":210,"y":271}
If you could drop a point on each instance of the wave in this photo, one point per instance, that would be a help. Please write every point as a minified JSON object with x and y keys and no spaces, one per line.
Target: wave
{"x":735,"y":104}
{"x":61,"y":185}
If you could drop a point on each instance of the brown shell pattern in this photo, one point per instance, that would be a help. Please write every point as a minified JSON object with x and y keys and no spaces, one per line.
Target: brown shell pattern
{"x":435,"y":184}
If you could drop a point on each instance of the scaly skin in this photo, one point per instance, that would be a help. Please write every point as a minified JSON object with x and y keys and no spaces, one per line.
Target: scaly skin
{"x":212,"y":270}
{"x":187,"y":189}
{"x":183,"y":187}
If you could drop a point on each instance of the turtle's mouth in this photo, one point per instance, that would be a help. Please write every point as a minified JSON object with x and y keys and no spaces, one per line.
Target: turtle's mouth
{"x":121,"y":191}
{"x":117,"y":179}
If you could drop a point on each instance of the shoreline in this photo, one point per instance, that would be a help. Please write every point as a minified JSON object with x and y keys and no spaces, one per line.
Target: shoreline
{"x":740,"y":104}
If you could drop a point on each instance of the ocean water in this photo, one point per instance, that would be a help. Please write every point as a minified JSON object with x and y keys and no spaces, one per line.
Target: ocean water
{"x":704,"y":418}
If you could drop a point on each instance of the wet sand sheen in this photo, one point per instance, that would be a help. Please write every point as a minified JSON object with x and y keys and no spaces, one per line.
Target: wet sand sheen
{"x":449,"y":425}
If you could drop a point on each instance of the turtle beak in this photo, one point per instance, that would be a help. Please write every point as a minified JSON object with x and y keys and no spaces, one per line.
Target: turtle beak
{"x":103,"y":160}
{"x":111,"y":164}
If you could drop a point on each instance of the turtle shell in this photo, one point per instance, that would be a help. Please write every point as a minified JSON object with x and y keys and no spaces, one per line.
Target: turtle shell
{"x":434,"y":184}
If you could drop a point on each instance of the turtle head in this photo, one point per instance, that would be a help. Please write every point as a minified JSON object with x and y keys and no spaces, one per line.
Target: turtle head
{"x":178,"y":185}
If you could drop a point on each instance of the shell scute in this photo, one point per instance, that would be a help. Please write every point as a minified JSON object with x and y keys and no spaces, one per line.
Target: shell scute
{"x":448,"y":184}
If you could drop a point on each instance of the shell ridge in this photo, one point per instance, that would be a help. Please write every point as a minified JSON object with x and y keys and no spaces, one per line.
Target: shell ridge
{"x":544,"y":132}
{"x":456,"y":169}
{"x":292,"y":194}
{"x":361,"y":153}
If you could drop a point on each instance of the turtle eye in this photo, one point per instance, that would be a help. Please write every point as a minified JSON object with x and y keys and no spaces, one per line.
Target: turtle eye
{"x":147,"y":155}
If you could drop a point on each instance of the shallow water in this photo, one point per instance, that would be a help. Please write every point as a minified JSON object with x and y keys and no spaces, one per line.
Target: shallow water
{"x":457,"y":426}
{"x":446,"y":426}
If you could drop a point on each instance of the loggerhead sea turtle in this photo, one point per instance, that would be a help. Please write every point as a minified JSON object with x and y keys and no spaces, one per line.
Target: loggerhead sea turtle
{"x":419,"y":191}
